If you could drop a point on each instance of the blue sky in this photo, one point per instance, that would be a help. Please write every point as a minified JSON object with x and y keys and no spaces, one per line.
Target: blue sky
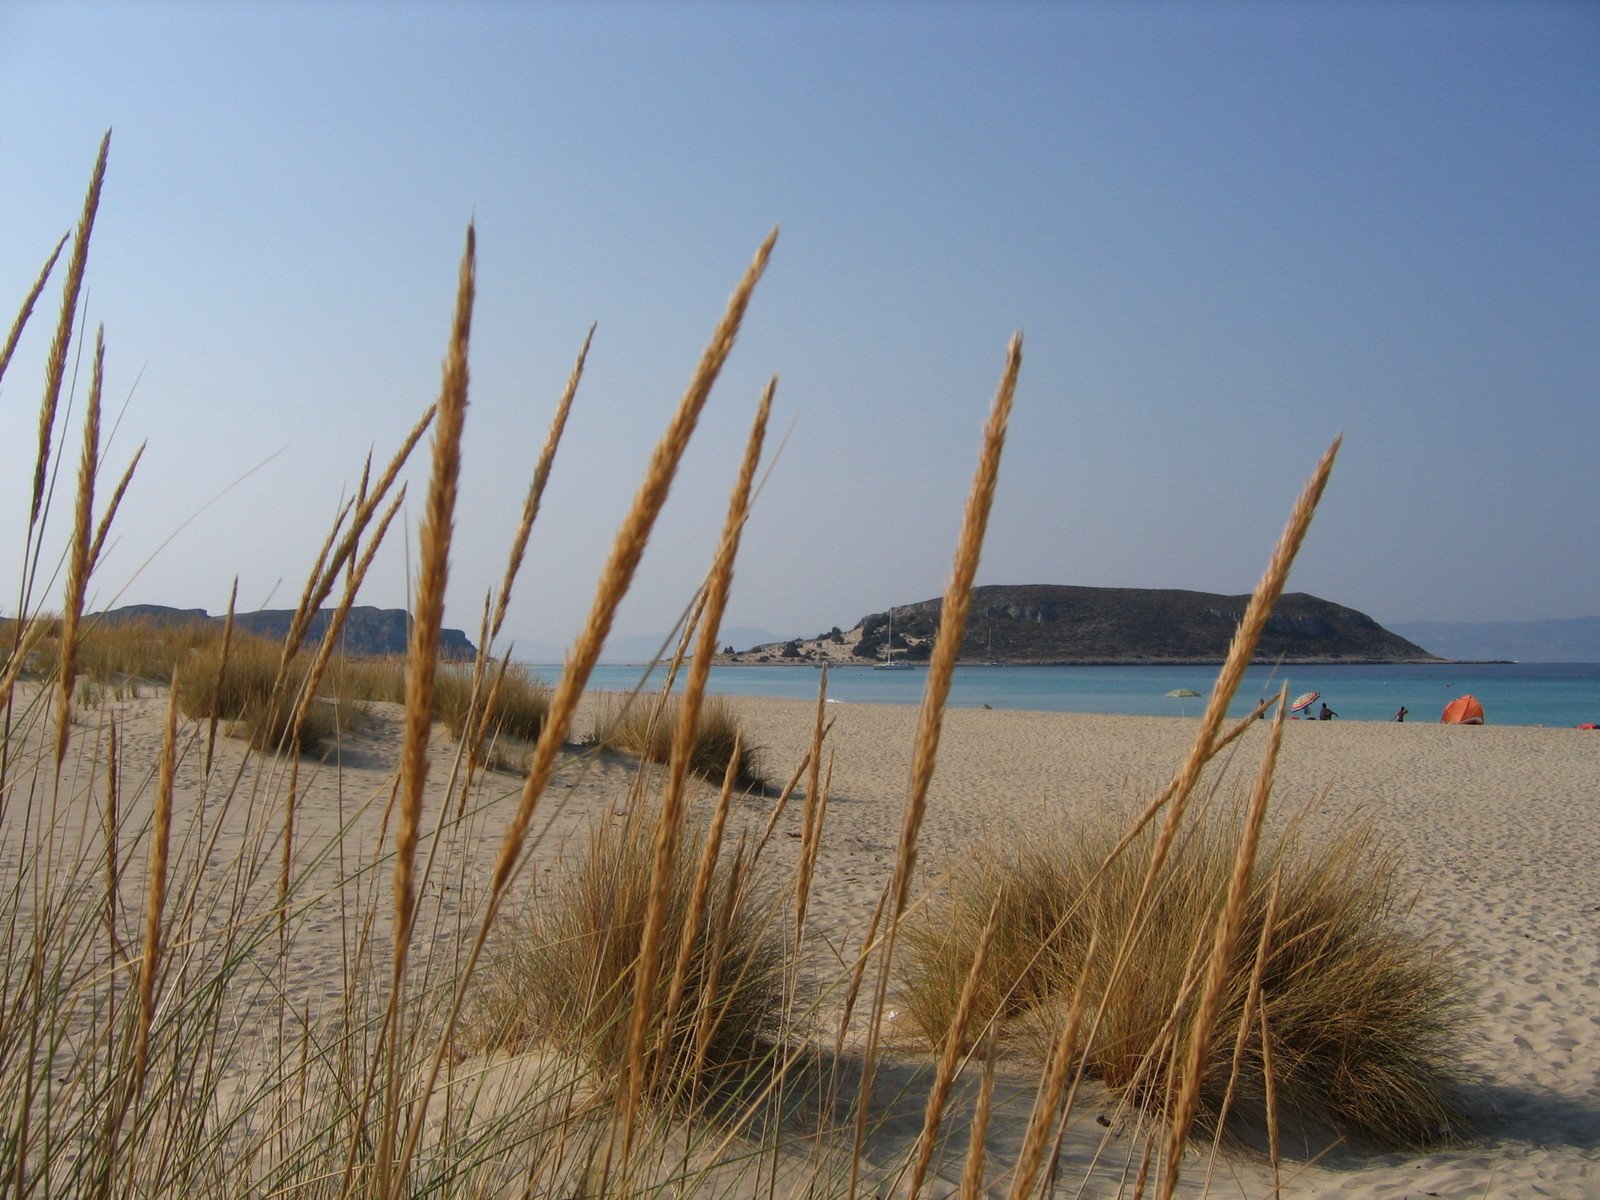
{"x":1228,"y":232}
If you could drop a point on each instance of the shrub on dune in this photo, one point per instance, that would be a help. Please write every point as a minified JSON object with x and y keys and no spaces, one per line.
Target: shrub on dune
{"x":1363,"y":1015}
{"x":270,"y":727}
{"x":572,"y":983}
{"x":210,"y":687}
{"x":647,"y":729}
{"x":521,"y":701}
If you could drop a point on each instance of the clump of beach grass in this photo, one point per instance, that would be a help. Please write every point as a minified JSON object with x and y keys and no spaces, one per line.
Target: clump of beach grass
{"x":647,"y":727}
{"x":514,"y":704}
{"x":571,"y":983}
{"x":1364,"y":1015}
{"x":231,"y":682}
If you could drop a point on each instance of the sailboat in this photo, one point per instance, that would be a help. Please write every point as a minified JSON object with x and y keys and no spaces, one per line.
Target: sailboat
{"x":991,"y":662}
{"x":889,"y":662}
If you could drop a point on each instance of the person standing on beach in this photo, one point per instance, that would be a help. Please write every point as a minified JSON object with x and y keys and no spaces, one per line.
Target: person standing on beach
{"x":1401,"y":715}
{"x":1327,"y":714}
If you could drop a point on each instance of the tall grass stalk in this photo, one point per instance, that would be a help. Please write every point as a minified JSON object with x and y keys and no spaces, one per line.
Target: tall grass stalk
{"x":541,"y":477}
{"x":950,"y":1055}
{"x":670,"y":825}
{"x":20,"y":322}
{"x":613,"y":585}
{"x":473,"y":727}
{"x":437,"y":526}
{"x":222,"y":666}
{"x":78,"y":561}
{"x":811,"y":813}
{"x":1219,"y":970}
{"x":941,"y":666}
{"x":55,"y":369}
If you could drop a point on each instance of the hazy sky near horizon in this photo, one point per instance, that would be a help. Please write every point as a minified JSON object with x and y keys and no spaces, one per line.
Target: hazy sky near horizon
{"x":1229,"y":232}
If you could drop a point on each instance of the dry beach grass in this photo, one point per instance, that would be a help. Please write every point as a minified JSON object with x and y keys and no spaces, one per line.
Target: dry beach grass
{"x":233,"y":966}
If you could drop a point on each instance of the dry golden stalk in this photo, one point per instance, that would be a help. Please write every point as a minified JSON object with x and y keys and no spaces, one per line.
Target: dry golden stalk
{"x":336,"y":623}
{"x":29,"y":635}
{"x":1048,"y":1099}
{"x":716,"y":955}
{"x":858,"y":972}
{"x":1145,"y":1160}
{"x":1225,"y":740}
{"x":478,"y":732}
{"x":1222,"y":946}
{"x":222,"y":667}
{"x":309,"y":601}
{"x":422,"y":665}
{"x":1207,"y":743}
{"x":705,"y":872}
{"x":307,"y":696}
{"x":325,"y":571}
{"x":972,"y":1172}
{"x":697,"y":608}
{"x":475,"y":724}
{"x":952,"y":626}
{"x":950,"y":1056}
{"x":55,"y":369}
{"x":113,"y":859}
{"x":783,"y":800}
{"x":1247,"y":1017}
{"x":1267,"y":932}
{"x":111,"y":509}
{"x":613,"y":585}
{"x":156,"y":897}
{"x":541,"y":476}
{"x":670,"y":824}
{"x":435,"y":536}
{"x":810,"y":848}
{"x":618,"y":574}
{"x":810,"y":825}
{"x":78,"y":561}
{"x":26,"y":310}
{"x":361,"y":498}
{"x":1241,"y":650}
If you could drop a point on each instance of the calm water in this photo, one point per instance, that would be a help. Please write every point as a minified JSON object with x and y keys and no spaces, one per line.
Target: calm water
{"x":1512,"y":693}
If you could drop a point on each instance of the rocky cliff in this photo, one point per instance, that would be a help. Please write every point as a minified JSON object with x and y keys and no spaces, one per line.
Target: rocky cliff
{"x":367,"y":630}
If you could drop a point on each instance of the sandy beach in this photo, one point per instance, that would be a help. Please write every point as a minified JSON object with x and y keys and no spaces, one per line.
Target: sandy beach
{"x":1493,"y":826}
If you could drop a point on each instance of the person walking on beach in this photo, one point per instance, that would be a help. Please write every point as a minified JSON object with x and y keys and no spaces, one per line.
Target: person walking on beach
{"x":1401,"y":715}
{"x":1327,"y":714}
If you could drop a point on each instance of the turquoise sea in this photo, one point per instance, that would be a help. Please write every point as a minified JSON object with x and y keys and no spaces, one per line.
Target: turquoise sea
{"x":1563,"y":694}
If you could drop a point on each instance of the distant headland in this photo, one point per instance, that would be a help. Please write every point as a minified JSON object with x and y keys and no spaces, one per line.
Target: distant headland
{"x":1059,"y":624}
{"x":367,"y":630}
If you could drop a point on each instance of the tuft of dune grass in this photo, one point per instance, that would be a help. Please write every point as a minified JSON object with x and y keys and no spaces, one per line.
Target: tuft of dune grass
{"x":571,"y":983}
{"x":1365,"y":1013}
{"x":647,"y":729}
{"x":521,"y":702}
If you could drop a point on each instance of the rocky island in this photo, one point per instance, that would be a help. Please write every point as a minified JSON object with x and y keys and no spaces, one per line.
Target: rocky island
{"x":1058,"y":624}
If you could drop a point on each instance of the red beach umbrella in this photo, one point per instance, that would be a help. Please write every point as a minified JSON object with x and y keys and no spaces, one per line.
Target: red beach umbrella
{"x":1304,"y":700}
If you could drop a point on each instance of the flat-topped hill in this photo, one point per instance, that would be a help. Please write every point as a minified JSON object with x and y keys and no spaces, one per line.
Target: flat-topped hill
{"x":1059,"y":623}
{"x":367,"y":630}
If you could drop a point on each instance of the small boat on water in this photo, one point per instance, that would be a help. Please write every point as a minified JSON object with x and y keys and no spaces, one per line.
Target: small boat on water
{"x":889,"y":662}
